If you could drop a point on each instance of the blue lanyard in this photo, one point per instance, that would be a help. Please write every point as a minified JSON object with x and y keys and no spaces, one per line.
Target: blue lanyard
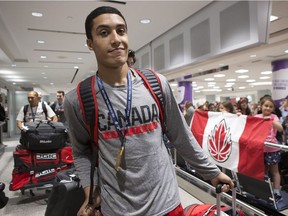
{"x":33,"y":113}
{"x":111,"y":110}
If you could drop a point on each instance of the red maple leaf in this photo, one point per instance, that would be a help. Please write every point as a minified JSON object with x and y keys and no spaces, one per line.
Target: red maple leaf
{"x":219,"y":142}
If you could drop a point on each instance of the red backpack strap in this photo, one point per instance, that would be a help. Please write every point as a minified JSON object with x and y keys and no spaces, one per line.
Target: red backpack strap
{"x":153,"y":84}
{"x":88,"y":103}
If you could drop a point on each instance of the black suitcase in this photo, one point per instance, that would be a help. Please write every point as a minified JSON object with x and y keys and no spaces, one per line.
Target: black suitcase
{"x":66,"y":197}
{"x":44,"y":135}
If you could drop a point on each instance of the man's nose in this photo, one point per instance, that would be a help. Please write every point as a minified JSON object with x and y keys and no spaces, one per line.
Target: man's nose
{"x":115,"y":38}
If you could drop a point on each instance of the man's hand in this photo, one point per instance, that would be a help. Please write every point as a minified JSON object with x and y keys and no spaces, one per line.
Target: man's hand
{"x":91,"y":210}
{"x":223,"y":179}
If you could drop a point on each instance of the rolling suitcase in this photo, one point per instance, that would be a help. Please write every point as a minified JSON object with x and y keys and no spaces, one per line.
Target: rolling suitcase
{"x":212,"y":209}
{"x":67,"y":196}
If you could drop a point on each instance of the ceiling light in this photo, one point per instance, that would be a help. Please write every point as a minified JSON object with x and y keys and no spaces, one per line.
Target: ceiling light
{"x":43,"y":57}
{"x":197,"y":91}
{"x":230,"y":80}
{"x":251,"y":80}
{"x":13,"y":65}
{"x":14,"y":83}
{"x":219,"y":75}
{"x":40,"y":41}
{"x":216,"y":87}
{"x":79,"y":58}
{"x":173,"y":84}
{"x":37,"y":14}
{"x":76,"y":67}
{"x":253,"y":56}
{"x":242,"y":87}
{"x":243,"y":76}
{"x":264,"y":77}
{"x":260,"y":83}
{"x":242,"y":71}
{"x":273,"y":18}
{"x":266,"y":72}
{"x":231,"y":83}
{"x":286,"y":51}
{"x":212,"y":90}
{"x":211,"y":83}
{"x":209,"y":79}
{"x":145,"y":21}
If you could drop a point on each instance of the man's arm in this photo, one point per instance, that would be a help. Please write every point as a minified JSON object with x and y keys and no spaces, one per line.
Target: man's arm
{"x":54,"y":118}
{"x":19,"y":124}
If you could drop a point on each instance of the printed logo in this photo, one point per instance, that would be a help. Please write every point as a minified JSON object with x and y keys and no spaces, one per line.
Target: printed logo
{"x":45,"y":141}
{"x":46,"y":156}
{"x":44,"y":173}
{"x":219,"y":142}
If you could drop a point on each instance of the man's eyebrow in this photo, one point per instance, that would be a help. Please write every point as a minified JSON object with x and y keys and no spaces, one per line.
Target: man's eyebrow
{"x":109,"y":26}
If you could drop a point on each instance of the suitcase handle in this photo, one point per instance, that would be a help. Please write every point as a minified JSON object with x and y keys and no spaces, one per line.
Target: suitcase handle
{"x":218,"y":200}
{"x":219,"y":187}
{"x":46,"y":122}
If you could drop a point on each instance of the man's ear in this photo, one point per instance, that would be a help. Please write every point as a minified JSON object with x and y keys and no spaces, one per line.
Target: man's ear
{"x":89,"y":44}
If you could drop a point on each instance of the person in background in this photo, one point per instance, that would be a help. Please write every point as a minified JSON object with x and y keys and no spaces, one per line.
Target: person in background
{"x":272,"y":156}
{"x":226,"y":106}
{"x":145,"y":181}
{"x":276,"y":111}
{"x":131,"y":58}
{"x":189,"y":110}
{"x":211,"y":107}
{"x":2,"y":110}
{"x":284,"y":119}
{"x":254,"y":109}
{"x":35,"y":111}
{"x":58,"y":106}
{"x":243,"y":107}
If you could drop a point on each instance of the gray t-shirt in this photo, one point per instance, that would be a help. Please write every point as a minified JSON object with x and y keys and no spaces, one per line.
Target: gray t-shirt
{"x":146,"y":182}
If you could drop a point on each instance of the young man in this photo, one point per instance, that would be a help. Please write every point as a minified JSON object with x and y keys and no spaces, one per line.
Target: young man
{"x":35,"y":111}
{"x":58,"y":106}
{"x":145,"y":182}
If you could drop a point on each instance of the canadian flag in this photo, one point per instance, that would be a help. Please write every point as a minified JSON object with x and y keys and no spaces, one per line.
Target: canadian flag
{"x":233,"y":142}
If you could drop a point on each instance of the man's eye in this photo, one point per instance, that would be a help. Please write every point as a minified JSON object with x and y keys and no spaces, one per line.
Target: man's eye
{"x":103,"y":33}
{"x":121,"y":31}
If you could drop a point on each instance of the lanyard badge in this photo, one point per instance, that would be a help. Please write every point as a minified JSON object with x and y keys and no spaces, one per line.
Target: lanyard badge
{"x":108,"y":103}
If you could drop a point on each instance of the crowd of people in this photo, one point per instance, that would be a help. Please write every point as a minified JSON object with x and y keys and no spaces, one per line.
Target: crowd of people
{"x":265,"y":109}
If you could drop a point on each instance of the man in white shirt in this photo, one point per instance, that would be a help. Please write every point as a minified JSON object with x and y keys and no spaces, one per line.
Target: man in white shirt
{"x":34,"y":111}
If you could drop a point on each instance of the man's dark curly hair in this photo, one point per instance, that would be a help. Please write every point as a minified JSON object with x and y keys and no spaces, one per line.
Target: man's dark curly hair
{"x":97,"y":12}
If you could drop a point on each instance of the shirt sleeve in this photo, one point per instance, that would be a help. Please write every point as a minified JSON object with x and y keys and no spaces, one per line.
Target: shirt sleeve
{"x":80,"y":139}
{"x":182,"y":138}
{"x":20,"y":115}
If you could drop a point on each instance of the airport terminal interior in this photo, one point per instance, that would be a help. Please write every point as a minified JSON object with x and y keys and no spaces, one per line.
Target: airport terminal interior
{"x":224,"y":62}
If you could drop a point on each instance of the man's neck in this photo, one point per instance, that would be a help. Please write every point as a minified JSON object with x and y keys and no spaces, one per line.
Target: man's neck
{"x":114,"y":76}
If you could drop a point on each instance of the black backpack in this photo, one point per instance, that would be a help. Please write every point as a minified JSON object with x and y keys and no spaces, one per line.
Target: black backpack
{"x":89,"y":106}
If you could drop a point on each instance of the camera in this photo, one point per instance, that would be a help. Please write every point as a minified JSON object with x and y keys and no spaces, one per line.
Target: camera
{"x":3,"y":198}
